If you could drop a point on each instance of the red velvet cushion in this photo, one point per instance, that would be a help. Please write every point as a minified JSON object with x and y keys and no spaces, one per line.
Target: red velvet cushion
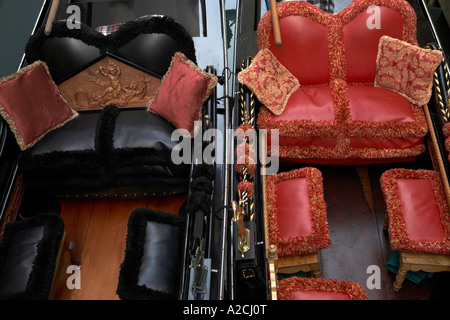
{"x":296,"y":211}
{"x":184,"y":88}
{"x":32,"y":105}
{"x":406,"y":69}
{"x":269,"y":80}
{"x":419,"y":219}
{"x":297,"y":288}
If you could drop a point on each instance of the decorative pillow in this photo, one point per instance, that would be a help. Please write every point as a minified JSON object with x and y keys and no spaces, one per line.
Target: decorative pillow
{"x":269,"y":80}
{"x":406,"y":69}
{"x":31,"y":104}
{"x":184,"y":88}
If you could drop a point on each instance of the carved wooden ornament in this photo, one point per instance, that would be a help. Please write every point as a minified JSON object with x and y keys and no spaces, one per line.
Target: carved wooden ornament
{"x":109,"y":82}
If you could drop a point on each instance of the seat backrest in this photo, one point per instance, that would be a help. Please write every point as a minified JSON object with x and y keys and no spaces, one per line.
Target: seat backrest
{"x":364,"y":23}
{"x":149,"y":42}
{"x":318,"y":46}
{"x":304,"y":31}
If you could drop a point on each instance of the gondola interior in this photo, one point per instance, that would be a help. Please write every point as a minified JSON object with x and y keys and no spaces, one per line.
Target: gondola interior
{"x":137,"y":224}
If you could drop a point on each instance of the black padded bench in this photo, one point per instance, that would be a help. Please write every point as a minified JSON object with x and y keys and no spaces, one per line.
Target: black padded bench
{"x":28,"y":257}
{"x":151,"y":267}
{"x":155,"y":244}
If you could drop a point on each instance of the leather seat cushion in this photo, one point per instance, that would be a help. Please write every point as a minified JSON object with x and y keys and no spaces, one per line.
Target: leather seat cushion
{"x":76,"y":135}
{"x":309,"y":103}
{"x":296,"y":211}
{"x":151,"y":267}
{"x":347,"y":122}
{"x":108,"y":149}
{"x":28,"y":257}
{"x":419,"y":219}
{"x":141,"y":144}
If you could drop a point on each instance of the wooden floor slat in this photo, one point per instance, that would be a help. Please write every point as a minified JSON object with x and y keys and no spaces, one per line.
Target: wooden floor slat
{"x":76,"y":215}
{"x":170,"y":204}
{"x":104,"y":248}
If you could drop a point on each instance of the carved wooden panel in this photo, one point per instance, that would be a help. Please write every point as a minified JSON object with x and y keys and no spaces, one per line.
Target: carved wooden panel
{"x":109,"y":82}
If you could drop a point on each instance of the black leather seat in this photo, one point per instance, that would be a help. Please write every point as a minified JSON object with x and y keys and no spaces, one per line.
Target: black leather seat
{"x":153,"y":255}
{"x":112,"y":151}
{"x":28,"y":257}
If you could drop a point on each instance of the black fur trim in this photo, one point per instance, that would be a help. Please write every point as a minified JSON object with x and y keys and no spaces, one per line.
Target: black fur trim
{"x":44,"y":265}
{"x":198,"y":201}
{"x":201,"y":184}
{"x":128,"y":288}
{"x":204,"y":170}
{"x":200,"y":190}
{"x":105,"y":129}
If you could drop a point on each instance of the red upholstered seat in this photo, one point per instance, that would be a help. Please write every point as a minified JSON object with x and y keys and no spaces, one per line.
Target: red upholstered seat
{"x":337,"y":115}
{"x":309,"y":103}
{"x":419,"y":219}
{"x":296,"y":212}
{"x":297,"y":288}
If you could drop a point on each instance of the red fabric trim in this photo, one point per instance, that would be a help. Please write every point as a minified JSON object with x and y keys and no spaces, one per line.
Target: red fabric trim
{"x":447,"y":144}
{"x":320,"y":237}
{"x":244,"y":132}
{"x":245,"y":186}
{"x":288,"y":286}
{"x":343,"y":152}
{"x":446,"y":129}
{"x":346,"y":162}
{"x":397,"y":228}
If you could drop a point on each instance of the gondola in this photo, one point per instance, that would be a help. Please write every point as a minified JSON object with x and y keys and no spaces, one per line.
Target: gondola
{"x":122,"y":208}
